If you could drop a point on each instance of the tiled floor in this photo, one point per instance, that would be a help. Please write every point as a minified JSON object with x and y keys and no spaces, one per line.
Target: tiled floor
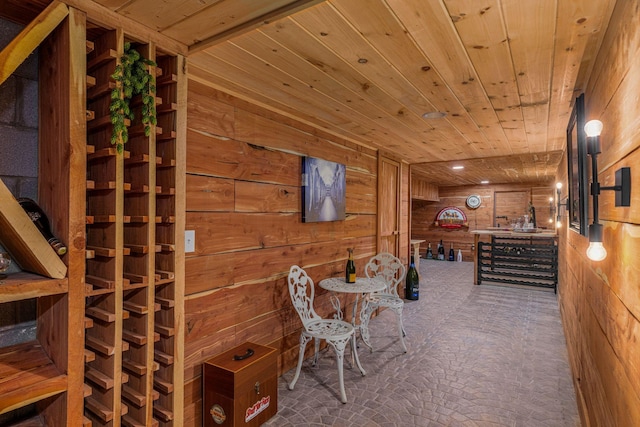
{"x":478,"y":356}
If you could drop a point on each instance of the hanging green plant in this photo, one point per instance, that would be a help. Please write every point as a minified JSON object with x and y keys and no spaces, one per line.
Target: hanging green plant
{"x":132,"y":77}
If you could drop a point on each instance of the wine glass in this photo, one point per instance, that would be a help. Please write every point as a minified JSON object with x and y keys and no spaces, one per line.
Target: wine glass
{"x":5,"y":262}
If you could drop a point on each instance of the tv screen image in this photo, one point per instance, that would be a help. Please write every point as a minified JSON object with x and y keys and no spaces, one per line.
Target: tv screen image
{"x":323,"y":190}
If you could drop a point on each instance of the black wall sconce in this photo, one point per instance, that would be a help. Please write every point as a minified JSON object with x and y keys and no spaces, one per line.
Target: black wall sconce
{"x":564,"y":204}
{"x":622,"y":187}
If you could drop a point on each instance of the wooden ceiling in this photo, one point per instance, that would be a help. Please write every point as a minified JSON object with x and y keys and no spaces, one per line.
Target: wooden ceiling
{"x":505,"y":72}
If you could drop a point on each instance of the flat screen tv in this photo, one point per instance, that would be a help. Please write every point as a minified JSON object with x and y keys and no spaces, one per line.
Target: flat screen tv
{"x":323,"y":190}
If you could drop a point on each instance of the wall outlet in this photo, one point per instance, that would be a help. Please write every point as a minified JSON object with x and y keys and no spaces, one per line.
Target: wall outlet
{"x":190,"y":240}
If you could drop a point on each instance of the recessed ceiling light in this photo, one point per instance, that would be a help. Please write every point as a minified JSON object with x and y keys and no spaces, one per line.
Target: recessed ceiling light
{"x":484,"y":182}
{"x":434,"y":115}
{"x":457,"y":167}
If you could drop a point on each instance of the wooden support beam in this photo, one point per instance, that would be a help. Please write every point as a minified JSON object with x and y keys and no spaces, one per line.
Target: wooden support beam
{"x":30,"y":38}
{"x":254,"y":23}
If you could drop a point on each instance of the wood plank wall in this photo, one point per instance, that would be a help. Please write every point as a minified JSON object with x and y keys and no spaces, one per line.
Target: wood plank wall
{"x":600,"y":301}
{"x":243,"y":201}
{"x":424,"y":213}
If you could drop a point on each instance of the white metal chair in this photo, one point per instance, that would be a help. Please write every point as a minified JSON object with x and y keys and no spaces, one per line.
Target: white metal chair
{"x":389,"y":268}
{"x":335,"y":332}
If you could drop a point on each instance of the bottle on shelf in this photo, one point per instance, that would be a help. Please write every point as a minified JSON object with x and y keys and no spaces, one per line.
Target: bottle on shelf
{"x":429,"y":252}
{"x":459,"y":255}
{"x":451,"y":256}
{"x":412,"y":291}
{"x":440,"y":251}
{"x":350,"y":270}
{"x":39,"y":218}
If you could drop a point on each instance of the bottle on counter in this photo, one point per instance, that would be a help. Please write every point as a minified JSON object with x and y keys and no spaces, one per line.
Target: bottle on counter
{"x":440,"y":251}
{"x":451,"y":254}
{"x":39,"y":218}
{"x":412,"y":287}
{"x":350,"y":270}
{"x":459,"y":255}
{"x":429,"y":253}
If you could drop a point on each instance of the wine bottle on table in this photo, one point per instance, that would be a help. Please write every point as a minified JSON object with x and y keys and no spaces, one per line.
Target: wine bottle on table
{"x":451,"y":254}
{"x":459,"y":255}
{"x":440,"y":251}
{"x":429,"y":253}
{"x":411,"y":290}
{"x":41,"y":221}
{"x":350,"y":270}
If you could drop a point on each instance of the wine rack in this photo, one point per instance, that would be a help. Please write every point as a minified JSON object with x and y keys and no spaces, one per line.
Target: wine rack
{"x":167,"y":346}
{"x":518,"y":261}
{"x":41,"y":378}
{"x":105,"y":251}
{"x":133,"y":361}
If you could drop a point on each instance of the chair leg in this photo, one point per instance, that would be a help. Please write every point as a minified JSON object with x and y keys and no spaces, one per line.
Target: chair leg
{"x":316,"y":351}
{"x":303,"y":345}
{"x":365,"y":317}
{"x":401,"y":329}
{"x":339,"y":346}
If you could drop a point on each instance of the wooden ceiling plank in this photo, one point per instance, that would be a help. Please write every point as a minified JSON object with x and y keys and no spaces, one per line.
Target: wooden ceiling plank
{"x":444,"y":50}
{"x":30,"y":38}
{"x":261,"y":78}
{"x":310,"y":51}
{"x":223,"y":20}
{"x":497,"y":170}
{"x":165,"y":13}
{"x":201,"y":73}
{"x":384,"y":31}
{"x":531,"y":30}
{"x":98,"y":14}
{"x":483,"y":33}
{"x":255,"y":23}
{"x":383,"y":108}
{"x":330,"y":29}
{"x":578,"y":24}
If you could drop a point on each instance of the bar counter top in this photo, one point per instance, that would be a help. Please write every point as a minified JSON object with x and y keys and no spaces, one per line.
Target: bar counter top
{"x":505,"y":232}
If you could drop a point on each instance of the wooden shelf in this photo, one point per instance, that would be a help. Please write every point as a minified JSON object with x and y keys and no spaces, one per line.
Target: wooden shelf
{"x":23,"y":285}
{"x":132,"y":395}
{"x":133,"y":367}
{"x":98,"y":378}
{"x":98,"y":409}
{"x":27,"y":376}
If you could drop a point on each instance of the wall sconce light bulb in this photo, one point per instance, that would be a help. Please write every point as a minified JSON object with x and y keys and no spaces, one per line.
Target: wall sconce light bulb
{"x":558,"y":224}
{"x":558,"y":185}
{"x":596,"y":251}
{"x":593,"y":128}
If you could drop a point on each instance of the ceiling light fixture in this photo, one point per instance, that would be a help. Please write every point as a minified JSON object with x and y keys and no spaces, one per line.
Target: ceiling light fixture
{"x":457,"y":167}
{"x":434,"y":115}
{"x":484,"y":182}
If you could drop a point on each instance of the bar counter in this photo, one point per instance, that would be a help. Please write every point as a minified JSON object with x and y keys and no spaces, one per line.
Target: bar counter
{"x":486,"y":235}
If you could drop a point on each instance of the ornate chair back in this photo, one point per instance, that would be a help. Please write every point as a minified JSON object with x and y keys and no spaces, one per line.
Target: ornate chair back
{"x":389,"y":268}
{"x":302,"y":293}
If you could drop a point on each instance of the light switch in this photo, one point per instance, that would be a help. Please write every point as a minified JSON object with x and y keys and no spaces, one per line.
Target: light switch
{"x":190,"y":240}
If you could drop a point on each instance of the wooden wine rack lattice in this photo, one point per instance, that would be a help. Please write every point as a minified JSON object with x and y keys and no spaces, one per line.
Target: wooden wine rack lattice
{"x":131,"y":347}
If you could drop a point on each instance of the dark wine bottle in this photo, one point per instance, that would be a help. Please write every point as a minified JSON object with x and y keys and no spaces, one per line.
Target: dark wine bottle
{"x":41,"y":221}
{"x":440,"y":251}
{"x":411,"y":290}
{"x":429,"y":253}
{"x":350,"y":270}
{"x":452,"y":256}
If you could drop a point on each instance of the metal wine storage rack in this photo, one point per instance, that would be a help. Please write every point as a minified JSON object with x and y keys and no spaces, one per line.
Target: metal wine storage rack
{"x":525,"y":261}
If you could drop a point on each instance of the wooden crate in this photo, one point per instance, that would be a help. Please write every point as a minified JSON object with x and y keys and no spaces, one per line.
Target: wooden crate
{"x":241,"y":392}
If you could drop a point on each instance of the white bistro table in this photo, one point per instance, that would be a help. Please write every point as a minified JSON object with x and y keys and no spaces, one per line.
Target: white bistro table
{"x":363,"y":287}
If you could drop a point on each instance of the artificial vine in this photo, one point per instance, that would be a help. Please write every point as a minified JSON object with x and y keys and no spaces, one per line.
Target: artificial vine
{"x":132,"y":78}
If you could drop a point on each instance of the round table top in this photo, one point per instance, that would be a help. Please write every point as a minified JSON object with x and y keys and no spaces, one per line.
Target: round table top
{"x":363,"y":285}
